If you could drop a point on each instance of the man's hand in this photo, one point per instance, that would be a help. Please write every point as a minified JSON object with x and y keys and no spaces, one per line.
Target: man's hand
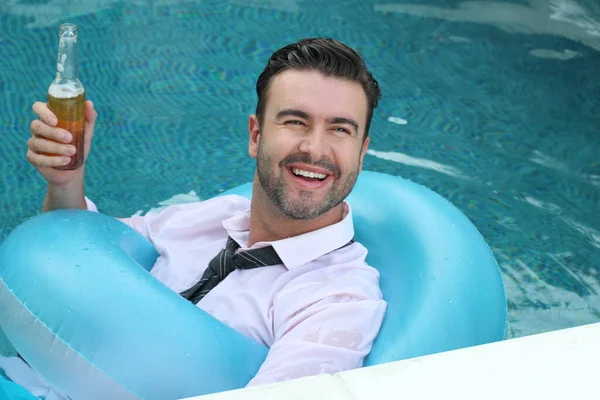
{"x":49,"y":146}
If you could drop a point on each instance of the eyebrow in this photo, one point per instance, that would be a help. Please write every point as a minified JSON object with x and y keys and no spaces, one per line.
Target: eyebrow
{"x":343,"y":120}
{"x":291,"y":112}
{"x":286,"y":112}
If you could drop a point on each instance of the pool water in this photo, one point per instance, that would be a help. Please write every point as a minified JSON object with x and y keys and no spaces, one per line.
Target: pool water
{"x":494,"y":105}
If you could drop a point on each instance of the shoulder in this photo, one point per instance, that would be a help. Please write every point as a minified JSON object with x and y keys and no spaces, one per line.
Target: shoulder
{"x":216,"y":206}
{"x":195,"y":216}
{"x":343,"y":272}
{"x":346,"y":263}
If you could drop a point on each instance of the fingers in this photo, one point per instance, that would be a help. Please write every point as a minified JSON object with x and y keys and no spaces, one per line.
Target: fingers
{"x":44,"y":126}
{"x":40,"y":128}
{"x":42,"y":160}
{"x":41,"y":145}
{"x":42,"y":111}
{"x":42,"y":152}
{"x":90,"y":120}
{"x":50,"y":146}
{"x":90,"y":113}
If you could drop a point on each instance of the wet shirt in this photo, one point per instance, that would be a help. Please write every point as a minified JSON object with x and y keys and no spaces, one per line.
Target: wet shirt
{"x":318,"y":312}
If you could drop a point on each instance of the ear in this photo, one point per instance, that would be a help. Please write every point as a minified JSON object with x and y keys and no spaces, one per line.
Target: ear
{"x":363,"y":151}
{"x":254,"y":135}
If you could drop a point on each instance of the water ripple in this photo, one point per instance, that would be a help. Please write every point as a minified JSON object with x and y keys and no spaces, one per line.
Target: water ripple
{"x":561,"y":18}
{"x":418,"y":162}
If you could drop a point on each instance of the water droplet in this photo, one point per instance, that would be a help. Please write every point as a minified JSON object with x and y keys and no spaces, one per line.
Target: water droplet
{"x":449,"y":301}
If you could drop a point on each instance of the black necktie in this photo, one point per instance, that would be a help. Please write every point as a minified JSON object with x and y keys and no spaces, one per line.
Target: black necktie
{"x":226,"y":262}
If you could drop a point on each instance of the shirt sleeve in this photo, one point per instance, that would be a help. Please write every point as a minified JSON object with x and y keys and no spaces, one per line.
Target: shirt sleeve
{"x":320,"y":329}
{"x":207,"y":213}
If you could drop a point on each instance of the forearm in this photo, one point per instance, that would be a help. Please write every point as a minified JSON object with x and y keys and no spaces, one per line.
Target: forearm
{"x":69,"y":195}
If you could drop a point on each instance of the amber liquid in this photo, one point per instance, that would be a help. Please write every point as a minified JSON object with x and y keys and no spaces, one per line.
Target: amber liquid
{"x":70,"y":113}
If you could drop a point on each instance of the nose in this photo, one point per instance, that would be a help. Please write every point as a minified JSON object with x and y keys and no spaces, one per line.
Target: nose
{"x":313,"y":142}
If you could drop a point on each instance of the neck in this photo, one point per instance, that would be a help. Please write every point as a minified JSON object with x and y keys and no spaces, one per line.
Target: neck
{"x":268,"y":223}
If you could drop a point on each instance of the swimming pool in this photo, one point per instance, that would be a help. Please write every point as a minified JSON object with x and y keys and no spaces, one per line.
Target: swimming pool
{"x":493,"y":105}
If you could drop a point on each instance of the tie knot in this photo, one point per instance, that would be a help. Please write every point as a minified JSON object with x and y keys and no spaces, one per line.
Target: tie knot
{"x":227,"y":261}
{"x":261,"y":257}
{"x":231,"y":246}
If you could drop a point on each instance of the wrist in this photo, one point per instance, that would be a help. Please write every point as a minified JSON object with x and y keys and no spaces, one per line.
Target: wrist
{"x":70,"y":194}
{"x":73,"y":185}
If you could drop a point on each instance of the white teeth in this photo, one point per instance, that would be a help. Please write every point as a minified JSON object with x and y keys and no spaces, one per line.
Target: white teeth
{"x":307,"y":174}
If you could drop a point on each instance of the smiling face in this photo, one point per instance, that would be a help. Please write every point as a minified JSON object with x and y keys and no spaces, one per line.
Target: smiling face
{"x":310,"y":146}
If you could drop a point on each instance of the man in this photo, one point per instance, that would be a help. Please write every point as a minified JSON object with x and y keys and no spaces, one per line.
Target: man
{"x":317,"y":304}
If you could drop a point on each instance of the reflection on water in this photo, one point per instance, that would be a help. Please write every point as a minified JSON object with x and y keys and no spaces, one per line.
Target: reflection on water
{"x":559,"y":55}
{"x":50,"y":13}
{"x":564,"y":18}
{"x":281,"y":5}
{"x":417,"y":162}
{"x":539,"y":158}
{"x":537,"y":306}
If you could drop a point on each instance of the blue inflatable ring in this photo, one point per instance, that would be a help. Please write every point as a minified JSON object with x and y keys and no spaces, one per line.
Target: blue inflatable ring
{"x":77,"y":301}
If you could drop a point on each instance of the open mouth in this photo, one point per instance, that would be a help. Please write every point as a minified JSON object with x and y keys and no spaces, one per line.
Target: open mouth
{"x":308,"y":179}
{"x":310,"y":176}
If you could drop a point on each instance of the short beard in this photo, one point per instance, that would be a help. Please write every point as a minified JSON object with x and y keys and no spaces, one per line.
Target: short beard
{"x":275,"y":189}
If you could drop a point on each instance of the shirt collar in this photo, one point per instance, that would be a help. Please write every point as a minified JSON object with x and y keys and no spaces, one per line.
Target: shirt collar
{"x":297,"y":250}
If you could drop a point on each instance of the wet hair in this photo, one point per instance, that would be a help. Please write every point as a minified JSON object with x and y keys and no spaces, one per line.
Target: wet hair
{"x":328,"y":56}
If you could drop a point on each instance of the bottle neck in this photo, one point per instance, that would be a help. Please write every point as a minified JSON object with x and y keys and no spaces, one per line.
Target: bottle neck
{"x":66,"y":64}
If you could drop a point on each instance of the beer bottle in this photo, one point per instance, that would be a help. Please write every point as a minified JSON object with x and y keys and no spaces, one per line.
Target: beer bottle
{"x":66,"y":95}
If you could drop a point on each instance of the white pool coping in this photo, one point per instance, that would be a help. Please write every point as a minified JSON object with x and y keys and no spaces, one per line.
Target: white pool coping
{"x":563,"y":364}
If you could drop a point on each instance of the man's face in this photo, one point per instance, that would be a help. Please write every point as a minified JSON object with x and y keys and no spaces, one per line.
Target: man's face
{"x":310,"y":148}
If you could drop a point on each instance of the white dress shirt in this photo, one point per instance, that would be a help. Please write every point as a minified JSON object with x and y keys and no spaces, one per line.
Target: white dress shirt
{"x":318,"y":312}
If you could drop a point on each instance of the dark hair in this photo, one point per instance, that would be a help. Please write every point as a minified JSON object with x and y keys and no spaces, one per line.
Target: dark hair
{"x":328,"y":56}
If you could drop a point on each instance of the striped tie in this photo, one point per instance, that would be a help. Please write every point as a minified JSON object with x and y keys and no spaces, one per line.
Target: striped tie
{"x":227,"y":261}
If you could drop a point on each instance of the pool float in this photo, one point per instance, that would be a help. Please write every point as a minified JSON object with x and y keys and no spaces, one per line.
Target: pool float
{"x":12,"y":391}
{"x":79,"y":304}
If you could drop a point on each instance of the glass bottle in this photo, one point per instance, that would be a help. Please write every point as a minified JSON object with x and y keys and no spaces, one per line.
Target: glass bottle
{"x":66,"y":95}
